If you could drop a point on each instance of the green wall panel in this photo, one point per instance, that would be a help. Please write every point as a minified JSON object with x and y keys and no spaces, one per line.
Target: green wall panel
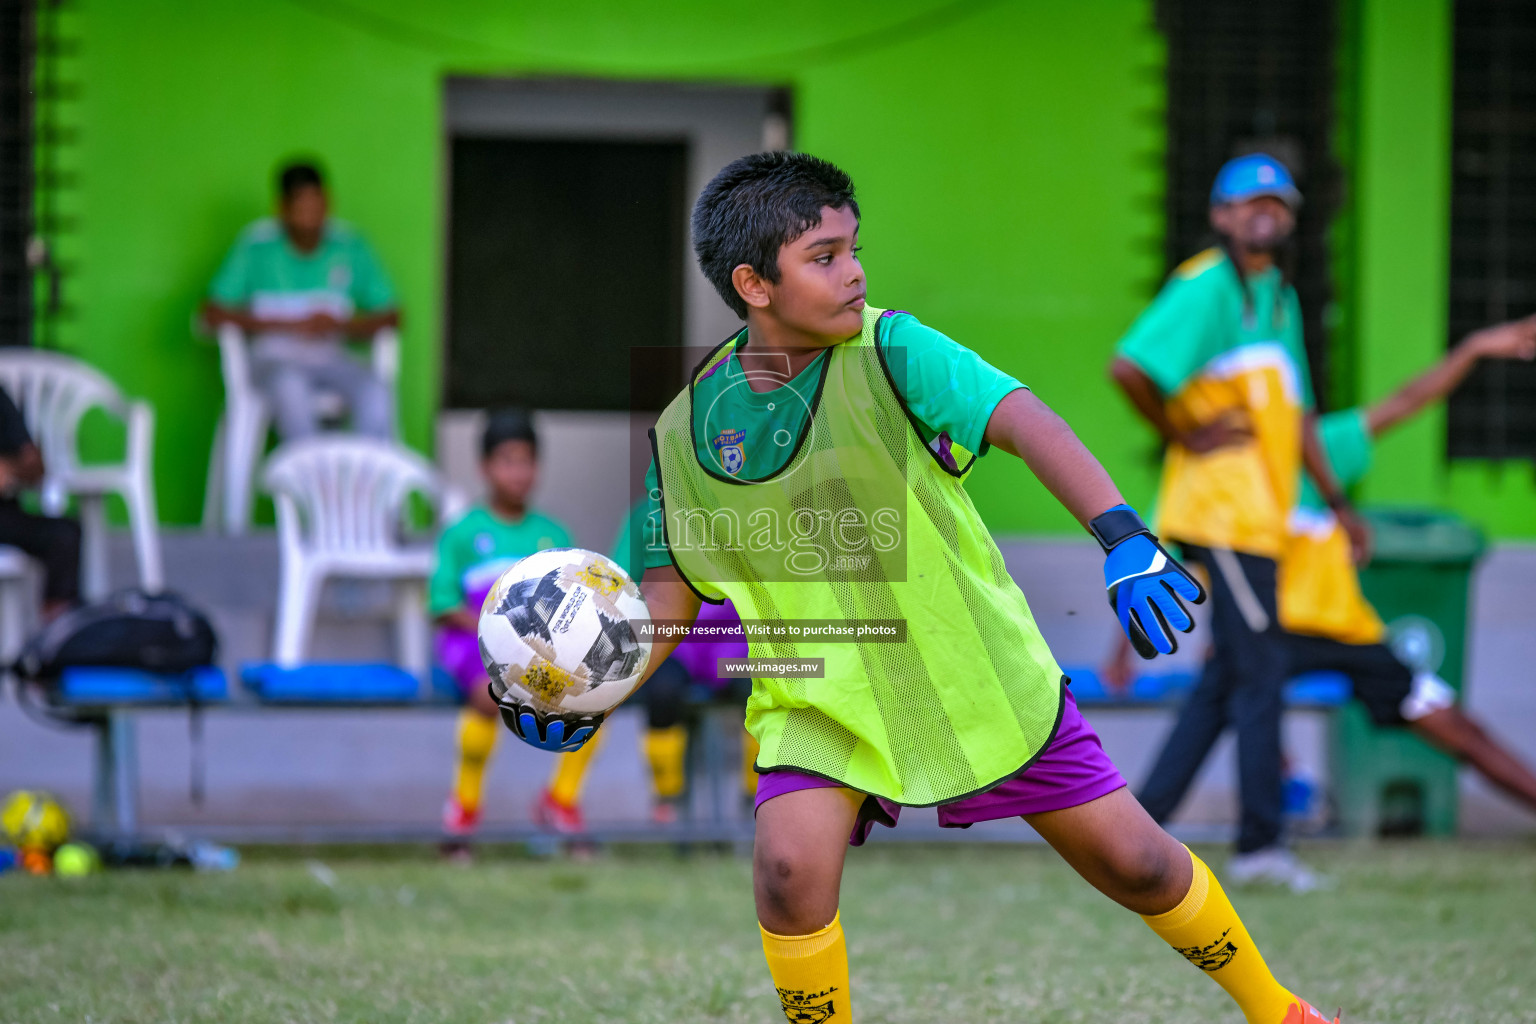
{"x":1008,"y":157}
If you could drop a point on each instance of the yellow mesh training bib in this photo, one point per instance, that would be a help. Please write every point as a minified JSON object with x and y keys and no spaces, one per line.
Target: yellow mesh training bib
{"x":864,"y":522}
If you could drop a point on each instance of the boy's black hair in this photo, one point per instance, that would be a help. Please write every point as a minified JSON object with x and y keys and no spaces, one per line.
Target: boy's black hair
{"x":757,"y":204}
{"x":504,"y":425}
{"x":295,"y":176}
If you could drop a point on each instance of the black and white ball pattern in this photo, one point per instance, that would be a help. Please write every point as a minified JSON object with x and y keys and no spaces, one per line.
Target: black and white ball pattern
{"x":557,"y":630}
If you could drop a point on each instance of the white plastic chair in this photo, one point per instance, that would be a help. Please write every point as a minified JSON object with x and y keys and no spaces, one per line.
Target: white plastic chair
{"x":241,"y":434}
{"x":54,"y":393}
{"x":341,"y":503}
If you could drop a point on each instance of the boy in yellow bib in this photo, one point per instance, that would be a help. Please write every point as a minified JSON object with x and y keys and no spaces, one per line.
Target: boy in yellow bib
{"x":812,"y":470}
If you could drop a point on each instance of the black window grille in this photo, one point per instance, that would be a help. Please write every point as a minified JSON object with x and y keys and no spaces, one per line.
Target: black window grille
{"x":1245,"y":78}
{"x":15,"y":170}
{"x":1493,"y":219}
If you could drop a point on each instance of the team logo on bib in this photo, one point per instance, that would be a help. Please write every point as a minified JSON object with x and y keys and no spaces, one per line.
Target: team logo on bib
{"x":727,"y":445}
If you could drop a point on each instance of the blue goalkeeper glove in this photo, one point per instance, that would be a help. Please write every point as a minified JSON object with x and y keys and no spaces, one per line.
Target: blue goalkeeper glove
{"x":1144,"y":582}
{"x":556,"y":733}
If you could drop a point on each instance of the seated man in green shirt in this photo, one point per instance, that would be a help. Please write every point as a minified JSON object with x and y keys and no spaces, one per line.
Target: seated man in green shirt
{"x":302,"y":284}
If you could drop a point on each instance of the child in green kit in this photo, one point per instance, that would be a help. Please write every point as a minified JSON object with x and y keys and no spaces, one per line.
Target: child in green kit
{"x":812,"y":470}
{"x":471,"y":554}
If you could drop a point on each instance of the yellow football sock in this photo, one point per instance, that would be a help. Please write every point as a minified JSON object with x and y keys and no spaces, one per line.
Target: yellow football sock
{"x":477,"y":738}
{"x":665,"y":750}
{"x":810,"y":973}
{"x":749,"y":749}
{"x":1207,"y":932}
{"x":571,"y":771}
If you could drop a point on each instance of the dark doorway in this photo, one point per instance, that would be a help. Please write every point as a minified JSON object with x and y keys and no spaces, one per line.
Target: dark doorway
{"x":563,"y":256}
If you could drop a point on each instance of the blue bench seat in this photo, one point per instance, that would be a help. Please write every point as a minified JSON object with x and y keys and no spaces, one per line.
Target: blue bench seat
{"x":343,"y":684}
{"x":100,"y":685}
{"x":1313,"y":689}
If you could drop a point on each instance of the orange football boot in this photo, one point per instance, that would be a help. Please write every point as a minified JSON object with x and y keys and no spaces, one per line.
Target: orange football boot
{"x":1301,"y":1012}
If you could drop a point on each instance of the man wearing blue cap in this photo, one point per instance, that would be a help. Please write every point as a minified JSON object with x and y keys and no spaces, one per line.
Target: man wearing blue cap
{"x":1217,"y":365}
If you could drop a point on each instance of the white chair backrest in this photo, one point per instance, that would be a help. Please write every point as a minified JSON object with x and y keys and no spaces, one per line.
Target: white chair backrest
{"x":348,"y":494}
{"x":54,"y":393}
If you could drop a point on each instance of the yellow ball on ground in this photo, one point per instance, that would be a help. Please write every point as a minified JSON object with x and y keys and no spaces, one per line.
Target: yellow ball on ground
{"x":72,"y":860}
{"x":32,"y":818}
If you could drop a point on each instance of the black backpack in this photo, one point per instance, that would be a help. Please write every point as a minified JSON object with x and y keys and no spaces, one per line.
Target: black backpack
{"x":130,"y":629}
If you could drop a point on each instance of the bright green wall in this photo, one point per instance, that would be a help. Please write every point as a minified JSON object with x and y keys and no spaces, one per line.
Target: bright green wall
{"x":1401,"y":185}
{"x":1007,"y":154}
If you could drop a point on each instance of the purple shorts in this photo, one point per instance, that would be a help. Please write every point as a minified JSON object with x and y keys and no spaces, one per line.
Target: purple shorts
{"x":458,"y":651}
{"x":701,"y":657}
{"x":1073,"y":769}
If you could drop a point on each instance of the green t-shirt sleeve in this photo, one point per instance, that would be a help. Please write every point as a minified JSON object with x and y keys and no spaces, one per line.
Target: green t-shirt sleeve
{"x":629,"y":544}
{"x":445,"y":591}
{"x":1346,"y":438}
{"x":949,"y":388}
{"x":371,"y":287}
{"x":1181,"y":331}
{"x":651,"y":534}
{"x":232,"y":286}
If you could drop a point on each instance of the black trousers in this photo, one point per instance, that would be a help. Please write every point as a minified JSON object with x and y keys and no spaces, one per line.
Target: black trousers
{"x":53,"y":542}
{"x":1240,"y":686}
{"x":1379,"y":680}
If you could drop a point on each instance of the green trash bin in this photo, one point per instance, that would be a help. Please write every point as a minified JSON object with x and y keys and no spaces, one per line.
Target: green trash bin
{"x":1388,"y":781}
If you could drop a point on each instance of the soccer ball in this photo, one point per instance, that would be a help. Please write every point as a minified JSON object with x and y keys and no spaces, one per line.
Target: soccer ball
{"x":557,"y":634}
{"x":34,"y":820}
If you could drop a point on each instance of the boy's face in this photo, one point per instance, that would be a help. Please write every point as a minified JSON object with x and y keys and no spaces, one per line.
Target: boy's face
{"x":820,"y":291}
{"x":511,"y":471}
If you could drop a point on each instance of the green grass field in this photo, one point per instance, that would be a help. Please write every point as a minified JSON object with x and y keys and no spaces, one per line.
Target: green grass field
{"x":1413,"y":933}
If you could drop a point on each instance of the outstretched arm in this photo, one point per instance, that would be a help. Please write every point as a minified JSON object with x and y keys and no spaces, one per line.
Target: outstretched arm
{"x":1143,"y":581}
{"x":1023,"y":425}
{"x":1513,"y":340}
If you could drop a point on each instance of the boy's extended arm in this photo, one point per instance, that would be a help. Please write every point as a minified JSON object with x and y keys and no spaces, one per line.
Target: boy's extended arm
{"x":1023,"y":425}
{"x":1513,"y":340}
{"x":1143,"y":581}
